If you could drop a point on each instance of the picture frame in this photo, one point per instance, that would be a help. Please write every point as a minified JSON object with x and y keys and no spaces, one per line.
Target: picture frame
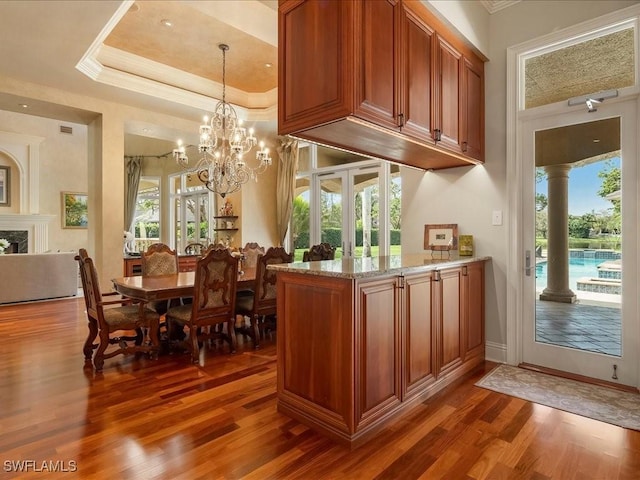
{"x":5,"y":186}
{"x":440,"y":237}
{"x":74,"y":210}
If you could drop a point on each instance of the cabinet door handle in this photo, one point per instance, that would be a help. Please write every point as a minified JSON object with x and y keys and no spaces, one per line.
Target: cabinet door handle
{"x":401,"y":120}
{"x":400,"y":281}
{"x":464,"y":271}
{"x":436,"y":276}
{"x":464,"y":146}
{"x":437,"y":135}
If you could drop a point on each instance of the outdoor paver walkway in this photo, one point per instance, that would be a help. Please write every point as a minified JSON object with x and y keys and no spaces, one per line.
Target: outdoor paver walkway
{"x":586,"y":327}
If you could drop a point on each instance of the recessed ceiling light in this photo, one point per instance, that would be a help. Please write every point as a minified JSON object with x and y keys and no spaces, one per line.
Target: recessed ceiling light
{"x":23,"y":105}
{"x":166,"y":22}
{"x":268,"y":65}
{"x":596,"y":140}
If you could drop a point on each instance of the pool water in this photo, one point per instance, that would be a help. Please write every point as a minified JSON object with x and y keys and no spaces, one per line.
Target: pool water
{"x":578,"y":268}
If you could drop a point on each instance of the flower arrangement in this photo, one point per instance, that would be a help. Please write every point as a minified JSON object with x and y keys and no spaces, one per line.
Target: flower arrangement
{"x":4,"y":244}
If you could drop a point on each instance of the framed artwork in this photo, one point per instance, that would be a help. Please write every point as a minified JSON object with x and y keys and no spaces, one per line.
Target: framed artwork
{"x":74,"y":210}
{"x":441,"y":237}
{"x":5,"y":186}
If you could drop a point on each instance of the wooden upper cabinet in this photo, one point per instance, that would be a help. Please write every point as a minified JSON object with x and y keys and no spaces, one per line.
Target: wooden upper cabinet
{"x":381,"y":78}
{"x":473,"y":108}
{"x":416,"y":90}
{"x":315,"y":49}
{"x":448,"y":113}
{"x":376,"y":63}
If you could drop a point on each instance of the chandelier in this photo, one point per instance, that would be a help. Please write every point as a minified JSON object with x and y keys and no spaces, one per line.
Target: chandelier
{"x":224,"y":142}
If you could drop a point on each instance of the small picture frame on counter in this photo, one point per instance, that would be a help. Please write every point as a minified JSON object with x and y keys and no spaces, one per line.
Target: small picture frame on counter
{"x":441,"y":237}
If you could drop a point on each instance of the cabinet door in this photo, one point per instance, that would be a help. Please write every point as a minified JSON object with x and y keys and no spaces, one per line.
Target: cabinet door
{"x":450,"y":319}
{"x":377,"y":62}
{"x":448,"y":106}
{"x":473,"y":303}
{"x":419,"y":333}
{"x":416,"y":82}
{"x":473,"y":108}
{"x":315,"y":55}
{"x":377,"y":348}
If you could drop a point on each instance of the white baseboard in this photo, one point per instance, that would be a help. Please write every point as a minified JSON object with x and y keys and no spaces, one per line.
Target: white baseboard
{"x":495,"y":352}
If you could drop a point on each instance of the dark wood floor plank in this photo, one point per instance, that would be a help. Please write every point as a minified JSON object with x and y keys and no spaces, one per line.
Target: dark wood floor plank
{"x":170,"y":419}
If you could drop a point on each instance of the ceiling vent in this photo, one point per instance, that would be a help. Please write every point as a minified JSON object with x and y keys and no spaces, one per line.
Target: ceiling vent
{"x":66,"y":129}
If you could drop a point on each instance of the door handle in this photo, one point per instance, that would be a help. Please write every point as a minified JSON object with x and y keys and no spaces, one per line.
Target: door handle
{"x":527,"y":263}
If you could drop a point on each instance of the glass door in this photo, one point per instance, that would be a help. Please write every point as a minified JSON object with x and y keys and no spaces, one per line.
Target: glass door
{"x":580,"y":275}
{"x":350,"y":206}
{"x":331,"y":214}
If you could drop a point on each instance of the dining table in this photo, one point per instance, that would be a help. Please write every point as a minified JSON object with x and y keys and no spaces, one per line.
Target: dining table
{"x":165,"y":287}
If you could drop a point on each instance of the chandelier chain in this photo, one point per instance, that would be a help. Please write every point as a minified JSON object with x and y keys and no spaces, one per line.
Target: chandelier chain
{"x":223,"y":145}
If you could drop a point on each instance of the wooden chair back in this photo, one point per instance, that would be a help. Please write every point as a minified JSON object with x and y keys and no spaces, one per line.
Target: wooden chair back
{"x":322,"y":251}
{"x":214,"y":293}
{"x":159,"y":259}
{"x":264,"y":302}
{"x":250,"y":253}
{"x":214,"y":246}
{"x":90,"y":286}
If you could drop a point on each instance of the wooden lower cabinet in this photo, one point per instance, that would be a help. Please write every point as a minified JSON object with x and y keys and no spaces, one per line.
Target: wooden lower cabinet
{"x":354,"y":353}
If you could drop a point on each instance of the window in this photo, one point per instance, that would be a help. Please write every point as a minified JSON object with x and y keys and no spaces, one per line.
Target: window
{"x":146,"y":220}
{"x":191,"y":209}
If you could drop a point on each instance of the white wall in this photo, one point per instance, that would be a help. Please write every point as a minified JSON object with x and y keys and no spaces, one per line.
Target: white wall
{"x":468,"y":195}
{"x":63,"y":167}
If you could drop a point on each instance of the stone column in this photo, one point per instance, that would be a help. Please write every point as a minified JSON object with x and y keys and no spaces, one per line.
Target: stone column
{"x":557,"y":289}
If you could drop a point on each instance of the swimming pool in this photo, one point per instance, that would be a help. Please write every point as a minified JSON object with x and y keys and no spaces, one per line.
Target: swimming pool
{"x":578,"y":268}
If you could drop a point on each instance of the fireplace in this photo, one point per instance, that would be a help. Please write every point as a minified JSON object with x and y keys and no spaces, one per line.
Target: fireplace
{"x":18,"y":240}
{"x":30,"y":233}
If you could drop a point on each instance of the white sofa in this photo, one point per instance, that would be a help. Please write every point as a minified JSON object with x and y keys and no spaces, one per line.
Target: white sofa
{"x":37,"y":276}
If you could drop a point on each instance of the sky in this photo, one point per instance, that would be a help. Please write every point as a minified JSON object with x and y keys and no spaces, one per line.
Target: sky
{"x":584,"y":184}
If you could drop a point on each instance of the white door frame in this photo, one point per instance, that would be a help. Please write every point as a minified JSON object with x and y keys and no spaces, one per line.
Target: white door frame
{"x":515,"y":115}
{"x":560,"y":358}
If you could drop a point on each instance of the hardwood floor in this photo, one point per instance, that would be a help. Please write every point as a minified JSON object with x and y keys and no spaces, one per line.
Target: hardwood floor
{"x":169,"y":419}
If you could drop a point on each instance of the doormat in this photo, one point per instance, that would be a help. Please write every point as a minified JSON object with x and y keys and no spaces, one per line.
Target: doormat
{"x":591,"y":401}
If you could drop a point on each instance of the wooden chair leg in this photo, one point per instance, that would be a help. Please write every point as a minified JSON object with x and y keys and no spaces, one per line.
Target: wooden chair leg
{"x":154,"y":336}
{"x":88,"y":344}
{"x":98,"y":359}
{"x":231,"y":332}
{"x":255,"y":320}
{"x":193,"y":340}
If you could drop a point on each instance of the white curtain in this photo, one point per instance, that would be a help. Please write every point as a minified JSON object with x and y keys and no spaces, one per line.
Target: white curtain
{"x":286,"y":184}
{"x":134,"y":170}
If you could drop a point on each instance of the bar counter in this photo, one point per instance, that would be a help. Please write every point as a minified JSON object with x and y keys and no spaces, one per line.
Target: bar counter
{"x":362,"y":340}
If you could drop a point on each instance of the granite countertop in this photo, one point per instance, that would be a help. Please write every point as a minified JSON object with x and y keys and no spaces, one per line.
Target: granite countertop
{"x":376,"y":266}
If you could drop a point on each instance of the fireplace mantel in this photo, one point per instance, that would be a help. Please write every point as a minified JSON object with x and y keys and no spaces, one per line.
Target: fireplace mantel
{"x":37,"y":226}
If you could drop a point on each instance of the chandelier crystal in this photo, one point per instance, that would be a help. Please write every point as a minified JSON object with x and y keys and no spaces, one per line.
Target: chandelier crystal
{"x":224,"y":142}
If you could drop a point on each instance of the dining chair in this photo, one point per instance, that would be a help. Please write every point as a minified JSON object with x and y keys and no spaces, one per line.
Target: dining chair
{"x":106,"y":319}
{"x":250,"y":253}
{"x":262,"y":302}
{"x":213,"y":303}
{"x":322,"y":251}
{"x":194,"y":248}
{"x":159,"y":259}
{"x":214,"y":246}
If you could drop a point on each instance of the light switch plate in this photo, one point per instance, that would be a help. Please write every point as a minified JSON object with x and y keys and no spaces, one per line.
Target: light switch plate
{"x":496,"y":217}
